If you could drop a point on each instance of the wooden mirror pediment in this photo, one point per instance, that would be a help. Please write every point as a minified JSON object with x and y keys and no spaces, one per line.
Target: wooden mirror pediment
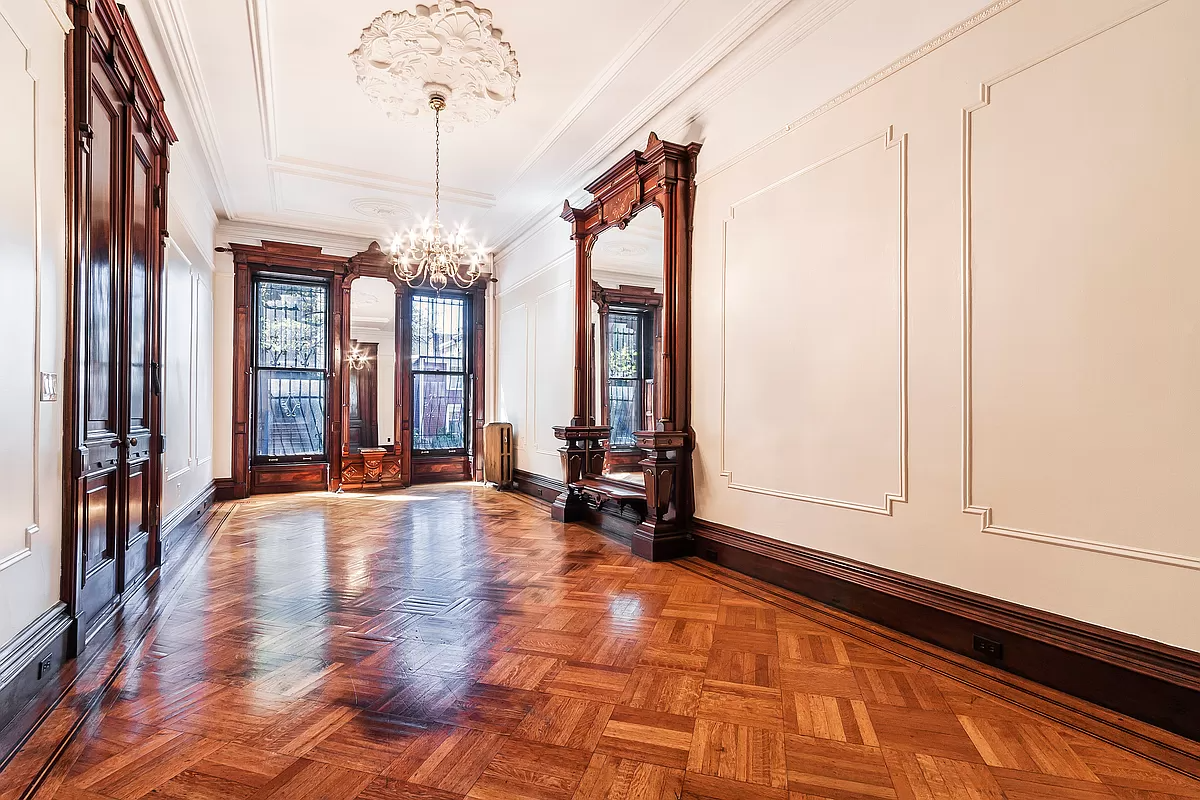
{"x":628,"y":444}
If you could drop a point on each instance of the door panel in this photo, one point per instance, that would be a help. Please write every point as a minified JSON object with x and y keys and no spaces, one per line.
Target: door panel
{"x":100,"y":451}
{"x":98,"y":594}
{"x":139,"y":318}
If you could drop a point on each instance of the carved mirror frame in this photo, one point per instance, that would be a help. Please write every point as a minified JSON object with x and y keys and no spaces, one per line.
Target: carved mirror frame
{"x":662,"y":175}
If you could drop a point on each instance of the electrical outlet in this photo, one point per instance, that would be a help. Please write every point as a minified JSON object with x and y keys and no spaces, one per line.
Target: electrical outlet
{"x":44,"y":667}
{"x":710,"y":554}
{"x":988,"y":648}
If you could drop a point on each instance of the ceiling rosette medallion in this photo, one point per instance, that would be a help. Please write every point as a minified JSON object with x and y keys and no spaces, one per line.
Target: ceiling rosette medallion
{"x":448,"y":49}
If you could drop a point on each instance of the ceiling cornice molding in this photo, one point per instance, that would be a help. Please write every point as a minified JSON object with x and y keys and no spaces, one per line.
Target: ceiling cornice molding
{"x":264,"y":79}
{"x":912,"y":57}
{"x":741,"y":67}
{"x":720,"y":45}
{"x":173,"y":29}
{"x":644,"y":36}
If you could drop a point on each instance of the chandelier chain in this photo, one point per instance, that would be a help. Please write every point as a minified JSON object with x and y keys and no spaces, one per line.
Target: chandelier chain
{"x":437,"y":166}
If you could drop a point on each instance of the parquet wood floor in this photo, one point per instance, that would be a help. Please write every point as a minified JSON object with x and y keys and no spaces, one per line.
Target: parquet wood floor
{"x":452,"y":642}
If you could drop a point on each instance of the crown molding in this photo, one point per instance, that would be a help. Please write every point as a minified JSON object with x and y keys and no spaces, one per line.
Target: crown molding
{"x":741,"y":67}
{"x":264,"y":79}
{"x":172,"y":28}
{"x":912,"y":57}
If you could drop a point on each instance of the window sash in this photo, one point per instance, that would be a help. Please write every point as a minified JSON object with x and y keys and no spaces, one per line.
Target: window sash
{"x":449,"y":358}
{"x":290,"y":403}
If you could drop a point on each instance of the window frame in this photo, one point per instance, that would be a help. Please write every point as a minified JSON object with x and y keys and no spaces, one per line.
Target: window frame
{"x":467,"y":374}
{"x":258,"y":278}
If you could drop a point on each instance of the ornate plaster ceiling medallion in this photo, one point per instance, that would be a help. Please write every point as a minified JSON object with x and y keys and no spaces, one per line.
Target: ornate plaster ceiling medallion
{"x":450,"y":49}
{"x":381,"y":209}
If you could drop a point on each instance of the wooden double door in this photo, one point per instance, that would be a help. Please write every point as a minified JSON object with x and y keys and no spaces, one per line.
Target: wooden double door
{"x":112,"y":387}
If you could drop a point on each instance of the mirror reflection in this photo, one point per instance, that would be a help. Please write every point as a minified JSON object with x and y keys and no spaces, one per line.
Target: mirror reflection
{"x":626,"y":342}
{"x":371,"y":361}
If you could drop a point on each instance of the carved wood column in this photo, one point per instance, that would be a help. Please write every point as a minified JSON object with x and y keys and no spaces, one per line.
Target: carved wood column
{"x":660,"y":537}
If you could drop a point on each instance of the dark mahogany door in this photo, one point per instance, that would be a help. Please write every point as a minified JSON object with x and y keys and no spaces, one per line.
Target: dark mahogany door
{"x":99,"y":456}
{"x":117,"y":459}
{"x":138,"y":389}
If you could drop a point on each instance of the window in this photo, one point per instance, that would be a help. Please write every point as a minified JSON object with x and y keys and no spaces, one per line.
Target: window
{"x":624,"y":376}
{"x":440,"y":364}
{"x":290,"y":361}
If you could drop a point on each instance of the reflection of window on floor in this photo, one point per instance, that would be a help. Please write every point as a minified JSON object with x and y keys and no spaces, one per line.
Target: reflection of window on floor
{"x":439,"y":371}
{"x":624,"y":376}
{"x":289,"y":369}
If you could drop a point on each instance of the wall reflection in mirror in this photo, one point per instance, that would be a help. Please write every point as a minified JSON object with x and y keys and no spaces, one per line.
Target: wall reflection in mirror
{"x":626,"y":342}
{"x":371,"y":364}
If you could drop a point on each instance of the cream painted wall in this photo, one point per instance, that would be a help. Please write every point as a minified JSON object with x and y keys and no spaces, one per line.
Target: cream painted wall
{"x":536,"y":354}
{"x":32,"y":261}
{"x":222,"y":365}
{"x":984,"y":313}
{"x":32,"y":217}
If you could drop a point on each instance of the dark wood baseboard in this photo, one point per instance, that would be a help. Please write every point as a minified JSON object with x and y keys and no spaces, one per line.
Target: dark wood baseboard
{"x":229,"y":489}
{"x":609,"y":522}
{"x":538,"y":486}
{"x":181,"y":524}
{"x":1146,"y":680}
{"x":29,"y":662}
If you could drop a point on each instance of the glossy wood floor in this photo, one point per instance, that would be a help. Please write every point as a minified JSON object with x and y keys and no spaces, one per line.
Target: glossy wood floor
{"x":453,"y":641}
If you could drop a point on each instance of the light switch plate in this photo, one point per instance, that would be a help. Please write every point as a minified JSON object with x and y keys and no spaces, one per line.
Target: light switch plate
{"x":49,"y":387}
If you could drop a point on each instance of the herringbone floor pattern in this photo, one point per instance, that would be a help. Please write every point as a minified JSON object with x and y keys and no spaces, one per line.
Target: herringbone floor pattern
{"x":453,"y":642}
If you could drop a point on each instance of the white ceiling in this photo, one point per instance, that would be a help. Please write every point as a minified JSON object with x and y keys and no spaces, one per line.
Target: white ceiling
{"x":294,"y":146}
{"x":292,"y":140}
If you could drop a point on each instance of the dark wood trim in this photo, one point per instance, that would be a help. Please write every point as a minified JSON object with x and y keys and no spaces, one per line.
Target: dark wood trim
{"x":301,"y":261}
{"x":1149,"y":681}
{"x":105,"y":61}
{"x":342,"y":465}
{"x":227,"y":489}
{"x":661,"y":175}
{"x":537,"y":486}
{"x":23,"y":670}
{"x":609,"y":519}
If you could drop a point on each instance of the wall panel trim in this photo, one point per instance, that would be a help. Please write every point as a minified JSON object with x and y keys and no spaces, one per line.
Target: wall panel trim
{"x":26,"y":550}
{"x":970,"y":505}
{"x":900,"y":495}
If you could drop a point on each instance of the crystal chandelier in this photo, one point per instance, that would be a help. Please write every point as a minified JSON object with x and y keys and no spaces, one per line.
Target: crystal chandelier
{"x":430,"y":254}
